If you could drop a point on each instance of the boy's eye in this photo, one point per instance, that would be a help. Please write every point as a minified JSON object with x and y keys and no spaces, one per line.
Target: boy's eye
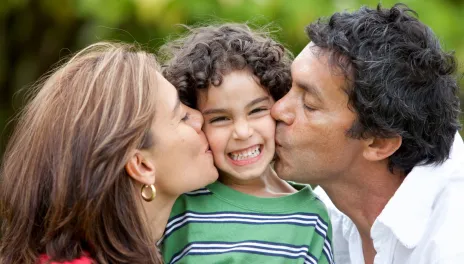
{"x":218,"y":119}
{"x":257,"y":110}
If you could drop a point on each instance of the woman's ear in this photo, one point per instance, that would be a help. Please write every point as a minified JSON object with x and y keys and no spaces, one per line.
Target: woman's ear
{"x":377,"y":148}
{"x":140,"y":168}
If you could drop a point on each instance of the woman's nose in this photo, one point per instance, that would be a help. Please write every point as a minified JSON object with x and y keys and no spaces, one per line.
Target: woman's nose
{"x":195,"y":119}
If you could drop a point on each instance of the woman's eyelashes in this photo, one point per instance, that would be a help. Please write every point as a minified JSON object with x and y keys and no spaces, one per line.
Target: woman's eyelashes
{"x":186,"y":117}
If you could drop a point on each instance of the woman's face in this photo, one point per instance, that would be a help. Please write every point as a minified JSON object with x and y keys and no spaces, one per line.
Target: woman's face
{"x":183,"y":160}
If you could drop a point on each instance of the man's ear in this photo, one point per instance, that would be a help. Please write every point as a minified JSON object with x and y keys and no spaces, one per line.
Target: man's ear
{"x":140,"y":168}
{"x":377,"y":148}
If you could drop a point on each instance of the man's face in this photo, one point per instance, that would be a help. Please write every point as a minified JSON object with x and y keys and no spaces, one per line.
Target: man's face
{"x":312,"y":145}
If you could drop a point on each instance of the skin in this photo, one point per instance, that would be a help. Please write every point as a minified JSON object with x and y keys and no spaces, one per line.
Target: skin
{"x":179,"y":140}
{"x":179,"y":160}
{"x":312,"y":144}
{"x":314,"y":120}
{"x":237,"y":117}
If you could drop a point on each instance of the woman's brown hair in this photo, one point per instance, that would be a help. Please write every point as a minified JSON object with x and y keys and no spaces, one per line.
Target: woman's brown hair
{"x":64,"y":191}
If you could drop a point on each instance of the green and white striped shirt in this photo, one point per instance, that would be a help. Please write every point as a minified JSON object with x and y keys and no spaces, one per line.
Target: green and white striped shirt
{"x":218,"y":224}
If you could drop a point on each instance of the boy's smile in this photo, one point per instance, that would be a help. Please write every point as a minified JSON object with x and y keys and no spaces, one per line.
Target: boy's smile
{"x":246,"y":156}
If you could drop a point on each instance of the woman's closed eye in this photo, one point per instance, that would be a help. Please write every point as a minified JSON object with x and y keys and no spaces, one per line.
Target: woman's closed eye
{"x":186,"y":117}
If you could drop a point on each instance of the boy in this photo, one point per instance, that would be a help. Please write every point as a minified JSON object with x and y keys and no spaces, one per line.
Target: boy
{"x":234,"y":75}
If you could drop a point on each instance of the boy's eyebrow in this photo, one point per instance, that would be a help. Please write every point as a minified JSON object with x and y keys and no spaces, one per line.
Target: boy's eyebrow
{"x":257,"y":100}
{"x":222,"y":110}
{"x":214,"y":111}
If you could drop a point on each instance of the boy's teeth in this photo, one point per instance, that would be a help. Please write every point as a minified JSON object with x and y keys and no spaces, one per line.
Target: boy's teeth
{"x":245,"y":154}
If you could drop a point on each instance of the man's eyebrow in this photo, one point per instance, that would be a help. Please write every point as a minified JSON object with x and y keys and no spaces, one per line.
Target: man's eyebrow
{"x":222,"y":110}
{"x":310,"y":89}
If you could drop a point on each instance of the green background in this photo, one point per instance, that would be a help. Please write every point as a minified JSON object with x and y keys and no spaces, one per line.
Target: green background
{"x":34,"y":35}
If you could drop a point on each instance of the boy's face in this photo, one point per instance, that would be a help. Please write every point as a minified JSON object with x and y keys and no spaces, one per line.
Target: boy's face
{"x":239,"y":127}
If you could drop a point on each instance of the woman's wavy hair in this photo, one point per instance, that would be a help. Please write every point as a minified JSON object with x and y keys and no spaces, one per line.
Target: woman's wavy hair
{"x":64,"y":190}
{"x":401,"y":82}
{"x":206,"y":54}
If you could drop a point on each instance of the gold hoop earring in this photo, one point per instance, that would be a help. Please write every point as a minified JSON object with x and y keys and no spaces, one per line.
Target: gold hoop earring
{"x":152,"y":189}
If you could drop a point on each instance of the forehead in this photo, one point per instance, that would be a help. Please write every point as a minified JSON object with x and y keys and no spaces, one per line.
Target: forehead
{"x":311,"y":68}
{"x":236,"y":88}
{"x":304,"y":58}
{"x":309,"y":60}
{"x":166,"y":95}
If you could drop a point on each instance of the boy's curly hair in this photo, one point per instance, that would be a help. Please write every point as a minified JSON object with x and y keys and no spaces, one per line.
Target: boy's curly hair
{"x":206,"y":54}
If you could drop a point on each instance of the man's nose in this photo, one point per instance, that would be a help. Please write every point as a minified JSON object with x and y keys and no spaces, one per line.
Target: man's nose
{"x":283,"y":110}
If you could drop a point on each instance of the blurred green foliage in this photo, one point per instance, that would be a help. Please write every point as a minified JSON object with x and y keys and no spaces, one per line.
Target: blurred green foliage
{"x":35,"y":34}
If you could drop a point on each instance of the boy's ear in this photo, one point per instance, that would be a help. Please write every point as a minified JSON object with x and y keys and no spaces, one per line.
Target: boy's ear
{"x":140,"y":168}
{"x":377,"y":148}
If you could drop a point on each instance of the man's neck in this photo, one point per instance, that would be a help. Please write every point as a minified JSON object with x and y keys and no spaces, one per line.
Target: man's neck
{"x":362,"y":195}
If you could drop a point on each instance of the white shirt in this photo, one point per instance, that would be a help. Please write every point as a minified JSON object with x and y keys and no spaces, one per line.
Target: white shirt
{"x":423,"y":223}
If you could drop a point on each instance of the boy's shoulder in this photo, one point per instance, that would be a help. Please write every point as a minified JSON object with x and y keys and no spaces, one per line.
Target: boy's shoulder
{"x":312,"y":198}
{"x":206,"y":200}
{"x":191,"y":200}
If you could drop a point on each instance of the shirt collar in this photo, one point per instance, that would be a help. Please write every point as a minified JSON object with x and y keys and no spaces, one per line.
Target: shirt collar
{"x":409,"y":210}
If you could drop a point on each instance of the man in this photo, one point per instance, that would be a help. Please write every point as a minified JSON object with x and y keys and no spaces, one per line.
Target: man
{"x":372,"y":117}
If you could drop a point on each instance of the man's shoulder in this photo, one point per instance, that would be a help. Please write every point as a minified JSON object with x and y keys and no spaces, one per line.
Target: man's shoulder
{"x":443,"y":237}
{"x":448,"y":212}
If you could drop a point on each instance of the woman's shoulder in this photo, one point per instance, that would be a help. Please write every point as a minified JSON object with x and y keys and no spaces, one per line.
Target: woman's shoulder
{"x":44,"y":259}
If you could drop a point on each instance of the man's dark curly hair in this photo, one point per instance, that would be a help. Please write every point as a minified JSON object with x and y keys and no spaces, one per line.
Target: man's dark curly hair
{"x":400,"y":80}
{"x":208,"y":53}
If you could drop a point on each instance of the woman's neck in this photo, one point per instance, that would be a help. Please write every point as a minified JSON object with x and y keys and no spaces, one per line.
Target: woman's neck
{"x":158,"y":212}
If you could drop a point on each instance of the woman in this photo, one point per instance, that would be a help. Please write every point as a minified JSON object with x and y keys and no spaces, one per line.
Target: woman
{"x":97,"y":159}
